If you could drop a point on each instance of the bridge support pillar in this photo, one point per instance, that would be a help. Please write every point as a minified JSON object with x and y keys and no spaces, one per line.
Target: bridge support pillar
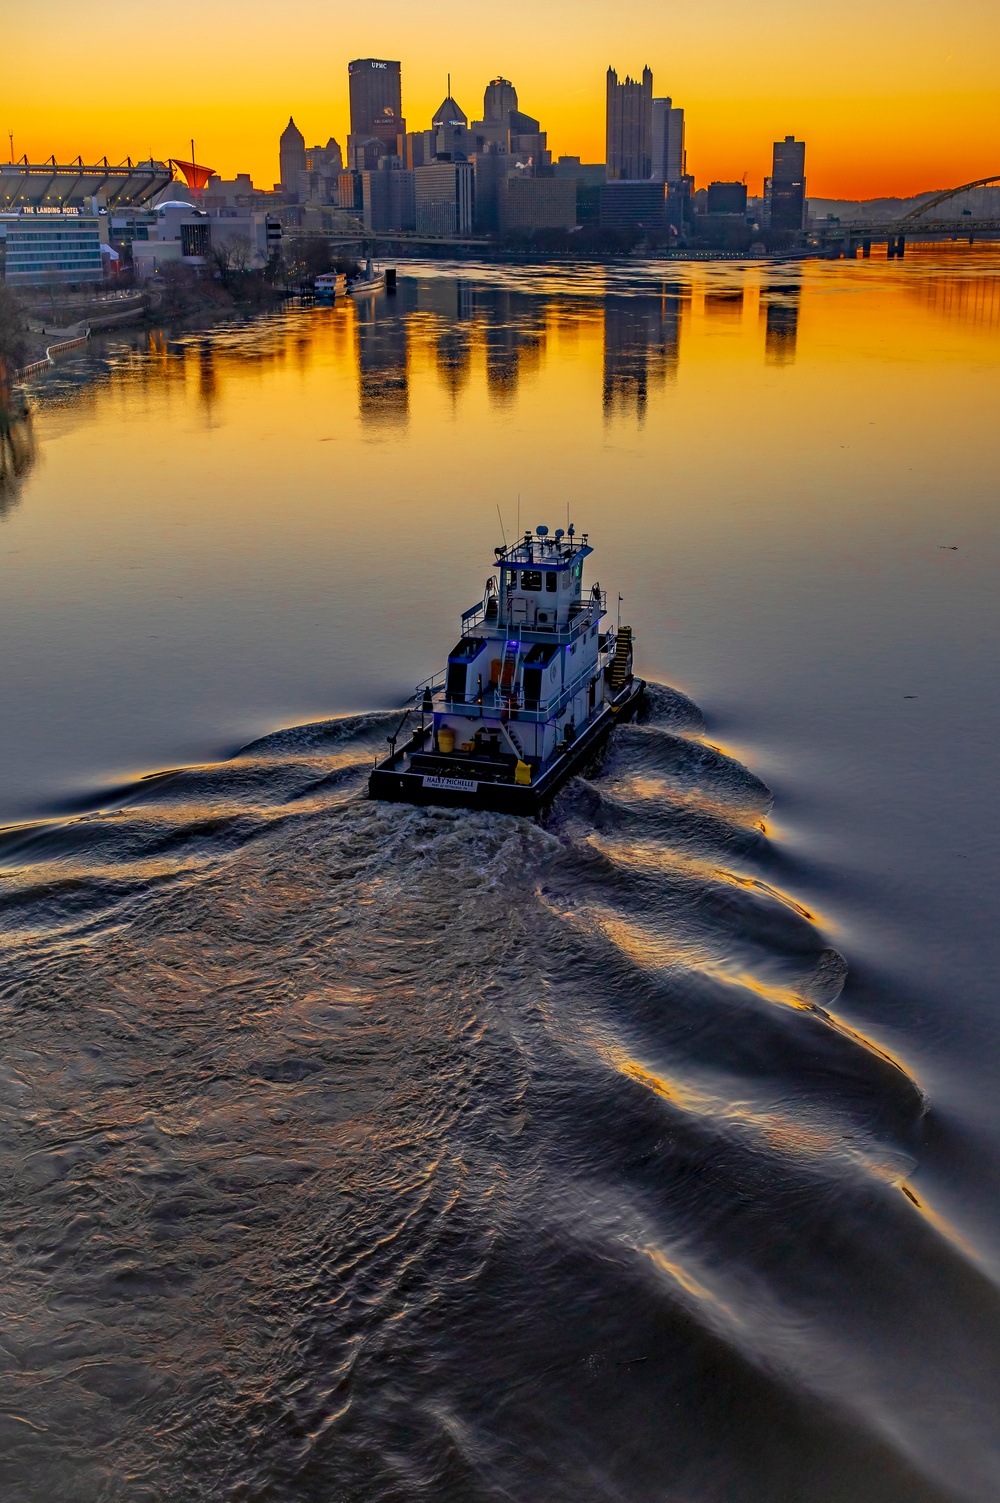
{"x":866,"y":248}
{"x":901,"y":246}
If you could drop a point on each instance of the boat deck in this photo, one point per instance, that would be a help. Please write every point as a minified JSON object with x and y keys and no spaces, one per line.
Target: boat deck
{"x":415,"y":775}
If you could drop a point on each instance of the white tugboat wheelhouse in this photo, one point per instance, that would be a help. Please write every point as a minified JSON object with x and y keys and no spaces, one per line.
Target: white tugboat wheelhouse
{"x":534,"y":683}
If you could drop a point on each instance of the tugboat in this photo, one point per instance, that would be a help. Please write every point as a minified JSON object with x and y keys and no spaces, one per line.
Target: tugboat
{"x":533,"y":689}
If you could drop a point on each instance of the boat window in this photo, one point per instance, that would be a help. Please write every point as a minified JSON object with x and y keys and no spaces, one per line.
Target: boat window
{"x":531,"y":579}
{"x":552,"y":583}
{"x":510,"y":579}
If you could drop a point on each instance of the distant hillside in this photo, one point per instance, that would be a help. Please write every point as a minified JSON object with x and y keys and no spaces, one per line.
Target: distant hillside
{"x":867,"y":208}
{"x":982,"y":202}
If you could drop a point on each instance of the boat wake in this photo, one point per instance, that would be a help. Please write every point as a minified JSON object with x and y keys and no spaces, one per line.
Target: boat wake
{"x":368,"y":1152}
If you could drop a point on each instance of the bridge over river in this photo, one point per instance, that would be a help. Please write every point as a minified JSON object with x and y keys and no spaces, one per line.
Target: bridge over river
{"x":968,"y":213}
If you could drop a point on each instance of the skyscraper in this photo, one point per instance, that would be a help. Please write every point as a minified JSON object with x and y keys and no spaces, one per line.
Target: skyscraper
{"x":676,"y":150}
{"x":376,"y":105}
{"x":444,"y":198}
{"x":660,"y":130}
{"x":388,"y":197}
{"x":789,"y":161}
{"x":785,"y":189}
{"x":630,"y":127}
{"x":667,"y":141}
{"x":500,"y":98}
{"x":450,"y":126}
{"x":291,"y":157}
{"x":505,"y":128}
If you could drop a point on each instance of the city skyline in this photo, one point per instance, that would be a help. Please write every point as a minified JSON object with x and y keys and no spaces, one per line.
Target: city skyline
{"x":886,"y":109}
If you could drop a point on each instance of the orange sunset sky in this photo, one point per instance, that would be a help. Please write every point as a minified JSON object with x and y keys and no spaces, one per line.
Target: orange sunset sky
{"x":891,"y":98}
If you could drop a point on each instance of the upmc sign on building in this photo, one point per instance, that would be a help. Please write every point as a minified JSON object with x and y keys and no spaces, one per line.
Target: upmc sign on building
{"x":375,"y":93}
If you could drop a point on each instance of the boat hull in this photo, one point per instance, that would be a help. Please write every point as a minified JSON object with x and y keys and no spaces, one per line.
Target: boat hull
{"x":390,"y":783}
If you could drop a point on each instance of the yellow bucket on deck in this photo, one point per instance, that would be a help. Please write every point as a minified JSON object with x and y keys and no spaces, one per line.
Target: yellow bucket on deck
{"x":522,"y":774}
{"x":446,"y":738}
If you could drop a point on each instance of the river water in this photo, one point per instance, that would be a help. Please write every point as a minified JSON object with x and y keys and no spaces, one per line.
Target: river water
{"x":361,"y":1154}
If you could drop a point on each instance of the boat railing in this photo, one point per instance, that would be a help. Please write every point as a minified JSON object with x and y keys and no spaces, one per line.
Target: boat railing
{"x":435,"y":682}
{"x":582,"y":615}
{"x":507,"y":703}
{"x":476,"y":615}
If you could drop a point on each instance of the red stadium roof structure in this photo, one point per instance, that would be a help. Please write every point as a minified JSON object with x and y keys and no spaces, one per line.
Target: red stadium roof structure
{"x":196,"y":177}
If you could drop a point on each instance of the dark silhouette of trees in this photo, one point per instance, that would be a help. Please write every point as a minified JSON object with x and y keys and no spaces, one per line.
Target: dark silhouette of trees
{"x":13,"y":335}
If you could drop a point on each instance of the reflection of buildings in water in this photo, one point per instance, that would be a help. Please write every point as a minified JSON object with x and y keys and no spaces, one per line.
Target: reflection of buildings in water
{"x":641,"y":348}
{"x":17,"y":454}
{"x":383,"y":362}
{"x":967,"y":299}
{"x":512,"y":328}
{"x":204,"y":360}
{"x":566,"y":321}
{"x":724,"y":302}
{"x":453,"y":356}
{"x":208,"y":381}
{"x":457,"y":319}
{"x":448,"y":297}
{"x":162,"y":362}
{"x":332,"y":328}
{"x":451,"y":304}
{"x":781,"y":303}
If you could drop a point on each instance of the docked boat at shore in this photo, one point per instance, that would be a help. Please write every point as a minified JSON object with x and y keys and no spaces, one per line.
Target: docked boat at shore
{"x":370,"y":280}
{"x":532,"y":690}
{"x":330,"y":285}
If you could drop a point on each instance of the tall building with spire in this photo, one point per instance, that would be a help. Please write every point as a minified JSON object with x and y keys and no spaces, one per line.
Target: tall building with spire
{"x":450,"y":130}
{"x":291,"y":157}
{"x":630,"y":127}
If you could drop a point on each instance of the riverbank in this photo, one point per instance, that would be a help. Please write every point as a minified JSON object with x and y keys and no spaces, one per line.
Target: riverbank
{"x":56,"y":322}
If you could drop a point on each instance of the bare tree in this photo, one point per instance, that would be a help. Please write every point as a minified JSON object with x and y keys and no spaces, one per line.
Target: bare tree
{"x":13,"y":335}
{"x":232,"y":259}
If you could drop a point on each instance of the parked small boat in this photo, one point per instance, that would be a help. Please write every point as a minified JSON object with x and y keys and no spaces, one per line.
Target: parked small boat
{"x":370,"y":280}
{"x":532,"y":690}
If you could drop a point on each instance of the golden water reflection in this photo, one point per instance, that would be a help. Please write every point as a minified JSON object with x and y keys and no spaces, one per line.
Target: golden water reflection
{"x":631,"y":335}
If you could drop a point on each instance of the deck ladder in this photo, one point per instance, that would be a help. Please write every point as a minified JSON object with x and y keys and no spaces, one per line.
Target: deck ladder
{"x":620,"y":666}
